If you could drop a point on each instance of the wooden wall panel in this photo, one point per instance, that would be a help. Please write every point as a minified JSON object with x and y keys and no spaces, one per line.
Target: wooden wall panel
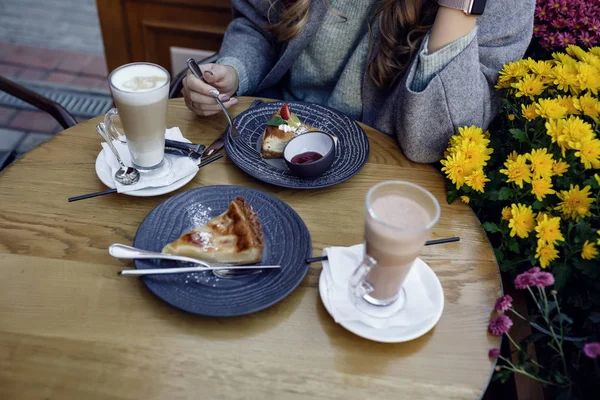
{"x":145,"y":30}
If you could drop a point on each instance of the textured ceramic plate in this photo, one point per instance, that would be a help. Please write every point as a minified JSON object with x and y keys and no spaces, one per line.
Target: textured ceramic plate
{"x":351,"y":152}
{"x":287,"y":243}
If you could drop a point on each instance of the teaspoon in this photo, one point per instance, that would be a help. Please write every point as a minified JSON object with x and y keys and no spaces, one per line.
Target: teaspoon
{"x":125,"y":175}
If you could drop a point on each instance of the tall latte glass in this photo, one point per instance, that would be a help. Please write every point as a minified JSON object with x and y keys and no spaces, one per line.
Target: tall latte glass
{"x":399,"y":218}
{"x":140,"y":92}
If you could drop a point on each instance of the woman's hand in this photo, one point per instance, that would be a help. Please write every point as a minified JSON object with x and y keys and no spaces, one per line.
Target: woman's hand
{"x":196,"y":92}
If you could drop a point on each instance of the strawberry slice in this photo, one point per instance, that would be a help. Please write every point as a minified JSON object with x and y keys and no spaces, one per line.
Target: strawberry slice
{"x":285,"y":111}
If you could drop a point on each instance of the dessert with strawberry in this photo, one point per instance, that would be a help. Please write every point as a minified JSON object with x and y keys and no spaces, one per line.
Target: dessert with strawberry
{"x":283,"y":126}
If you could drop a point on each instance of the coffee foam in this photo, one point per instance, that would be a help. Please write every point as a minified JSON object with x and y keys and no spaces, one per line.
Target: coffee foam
{"x":123,"y":78}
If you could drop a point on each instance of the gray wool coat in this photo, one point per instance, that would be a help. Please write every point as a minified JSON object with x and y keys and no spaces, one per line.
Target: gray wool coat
{"x":460,"y":94}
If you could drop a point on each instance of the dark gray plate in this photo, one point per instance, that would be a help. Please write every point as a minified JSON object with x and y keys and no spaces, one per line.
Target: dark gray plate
{"x":351,"y":152}
{"x":287,"y":243}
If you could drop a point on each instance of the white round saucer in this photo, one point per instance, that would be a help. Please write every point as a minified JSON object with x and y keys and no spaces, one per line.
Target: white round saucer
{"x":396,"y":334}
{"x":105,"y":174}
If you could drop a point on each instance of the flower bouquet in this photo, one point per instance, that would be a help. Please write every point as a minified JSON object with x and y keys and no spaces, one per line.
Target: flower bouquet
{"x":534,"y":180}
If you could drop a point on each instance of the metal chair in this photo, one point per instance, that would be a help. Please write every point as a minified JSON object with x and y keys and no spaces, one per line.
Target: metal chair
{"x":58,"y":112}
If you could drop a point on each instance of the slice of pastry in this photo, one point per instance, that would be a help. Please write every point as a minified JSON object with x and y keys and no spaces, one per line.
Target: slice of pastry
{"x":281,"y":128}
{"x":233,"y":238}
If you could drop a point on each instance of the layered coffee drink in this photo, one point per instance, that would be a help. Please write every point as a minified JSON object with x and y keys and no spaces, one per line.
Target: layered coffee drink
{"x":140,"y":92}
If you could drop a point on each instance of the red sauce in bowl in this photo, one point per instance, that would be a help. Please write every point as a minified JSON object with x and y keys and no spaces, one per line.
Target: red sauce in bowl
{"x":305,"y":158}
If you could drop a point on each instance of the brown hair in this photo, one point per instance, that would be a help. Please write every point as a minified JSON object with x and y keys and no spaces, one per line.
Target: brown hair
{"x":402,"y":26}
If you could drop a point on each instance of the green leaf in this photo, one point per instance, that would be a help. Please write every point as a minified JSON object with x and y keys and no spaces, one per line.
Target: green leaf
{"x":505,"y":193}
{"x":562,"y":274}
{"x":518,"y":134}
{"x":490,"y":227}
{"x":499,"y":255}
{"x":513,"y":246}
{"x":276,"y":121}
{"x":451,"y":196}
{"x":537,"y":205}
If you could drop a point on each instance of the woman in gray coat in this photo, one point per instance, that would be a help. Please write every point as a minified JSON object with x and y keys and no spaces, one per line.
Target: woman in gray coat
{"x":415,"y":69}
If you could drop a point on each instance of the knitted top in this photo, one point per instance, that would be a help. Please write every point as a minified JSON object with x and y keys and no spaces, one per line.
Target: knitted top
{"x":330,"y":70}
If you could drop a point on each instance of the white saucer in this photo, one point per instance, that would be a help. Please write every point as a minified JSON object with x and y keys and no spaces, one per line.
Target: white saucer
{"x":105,"y":174}
{"x":397,"y":334}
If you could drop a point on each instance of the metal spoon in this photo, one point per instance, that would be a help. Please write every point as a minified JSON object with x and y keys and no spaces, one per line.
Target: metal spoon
{"x":125,"y":175}
{"x":193,"y":66}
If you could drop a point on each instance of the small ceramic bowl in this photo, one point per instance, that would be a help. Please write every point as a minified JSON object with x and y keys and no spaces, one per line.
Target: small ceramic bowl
{"x":310,"y":142}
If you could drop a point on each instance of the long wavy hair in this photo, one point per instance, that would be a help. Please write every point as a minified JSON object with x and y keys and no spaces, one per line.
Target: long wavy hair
{"x":402,"y":26}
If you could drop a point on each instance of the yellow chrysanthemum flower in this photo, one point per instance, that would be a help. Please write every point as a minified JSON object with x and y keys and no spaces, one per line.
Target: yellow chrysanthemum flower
{"x":588,"y":78}
{"x":575,"y":203}
{"x":598,"y":240}
{"x":522,"y":221}
{"x":507,"y":214}
{"x":560,"y":167}
{"x":575,"y":132}
{"x":465,"y":199}
{"x":529,"y":112}
{"x":597,"y":178}
{"x":475,"y":154}
{"x":569,"y":103}
{"x":510,"y":73}
{"x":469,"y":134}
{"x":595,"y":50}
{"x":543,"y":69}
{"x":512,"y":156}
{"x":511,"y":117}
{"x":477,"y":180}
{"x":576,"y":51}
{"x":548,"y":230}
{"x":589,"y":153}
{"x":541,"y":162}
{"x":550,"y":109}
{"x":564,"y":58}
{"x":554,"y":129}
{"x":565,"y":78}
{"x":530,"y":86}
{"x":541,"y":187}
{"x":517,"y":171}
{"x":589,"y":251}
{"x":588,"y":105}
{"x":545,"y":253}
{"x":456,"y":169}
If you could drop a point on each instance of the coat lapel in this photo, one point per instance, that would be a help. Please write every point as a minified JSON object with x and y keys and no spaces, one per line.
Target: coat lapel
{"x":318,"y":10}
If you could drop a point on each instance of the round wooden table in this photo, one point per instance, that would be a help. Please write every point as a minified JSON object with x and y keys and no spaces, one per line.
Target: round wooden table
{"x":70,"y":328}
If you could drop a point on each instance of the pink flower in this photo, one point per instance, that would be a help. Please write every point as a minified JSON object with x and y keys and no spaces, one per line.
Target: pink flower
{"x":587,"y":40}
{"x":592,"y":349}
{"x":565,"y":39}
{"x":500,"y":325}
{"x":503,"y":303}
{"x":543,"y":279}
{"x":494,"y":353}
{"x":524,"y":280}
{"x":533,"y":270}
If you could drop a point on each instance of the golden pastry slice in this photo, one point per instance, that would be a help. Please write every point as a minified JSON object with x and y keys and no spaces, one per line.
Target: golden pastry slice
{"x":234,"y":238}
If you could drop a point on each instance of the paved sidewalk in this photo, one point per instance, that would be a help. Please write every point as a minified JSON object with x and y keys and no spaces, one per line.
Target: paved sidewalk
{"x":55,"y":48}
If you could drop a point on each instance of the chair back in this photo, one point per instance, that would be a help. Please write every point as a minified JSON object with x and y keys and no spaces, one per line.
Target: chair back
{"x":58,"y":112}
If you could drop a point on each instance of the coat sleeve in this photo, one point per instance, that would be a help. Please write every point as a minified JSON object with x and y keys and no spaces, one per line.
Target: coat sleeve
{"x":462,"y":93}
{"x":247,"y":46}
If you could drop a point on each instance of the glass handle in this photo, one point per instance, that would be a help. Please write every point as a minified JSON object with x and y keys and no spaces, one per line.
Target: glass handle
{"x":358,"y":284}
{"x":111,"y":129}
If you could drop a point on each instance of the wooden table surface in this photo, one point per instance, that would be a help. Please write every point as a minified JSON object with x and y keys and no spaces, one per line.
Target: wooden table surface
{"x":70,"y":328}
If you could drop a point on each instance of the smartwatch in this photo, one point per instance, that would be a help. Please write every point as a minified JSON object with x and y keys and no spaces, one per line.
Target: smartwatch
{"x":469,"y":7}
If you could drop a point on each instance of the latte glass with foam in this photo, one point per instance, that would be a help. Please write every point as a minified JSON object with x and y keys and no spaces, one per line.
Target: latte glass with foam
{"x":140,"y":92}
